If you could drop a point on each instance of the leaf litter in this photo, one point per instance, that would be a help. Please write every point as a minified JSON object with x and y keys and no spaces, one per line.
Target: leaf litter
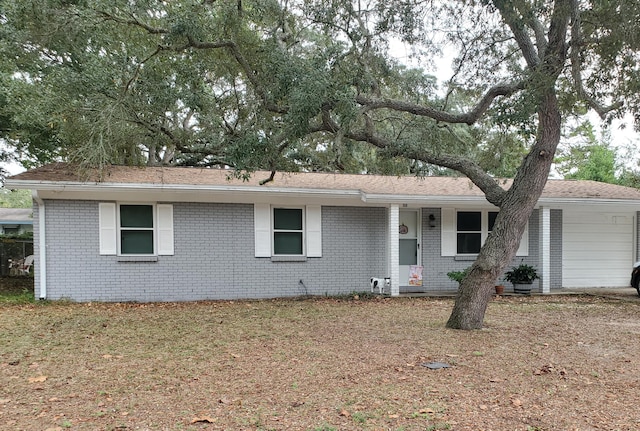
{"x":547,"y":363}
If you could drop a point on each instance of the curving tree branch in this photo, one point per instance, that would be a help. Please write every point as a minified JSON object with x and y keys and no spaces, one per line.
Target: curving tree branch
{"x":494,"y":193}
{"x":515,"y":22}
{"x":577,"y":41}
{"x":469,"y":118}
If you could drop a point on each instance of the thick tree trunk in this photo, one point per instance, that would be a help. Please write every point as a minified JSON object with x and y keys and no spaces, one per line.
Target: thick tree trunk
{"x":518,"y":204}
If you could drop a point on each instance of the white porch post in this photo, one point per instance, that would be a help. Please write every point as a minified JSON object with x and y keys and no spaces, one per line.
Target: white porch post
{"x":545,"y":249}
{"x":394,"y":249}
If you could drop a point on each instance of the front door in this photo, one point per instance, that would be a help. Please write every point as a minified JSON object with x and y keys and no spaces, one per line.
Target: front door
{"x":409,"y":237}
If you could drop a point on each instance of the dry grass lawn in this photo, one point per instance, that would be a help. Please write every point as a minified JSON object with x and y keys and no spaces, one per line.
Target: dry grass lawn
{"x":542,"y":363}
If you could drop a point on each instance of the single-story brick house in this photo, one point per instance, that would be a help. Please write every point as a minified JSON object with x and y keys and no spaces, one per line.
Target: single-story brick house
{"x":183,"y":234}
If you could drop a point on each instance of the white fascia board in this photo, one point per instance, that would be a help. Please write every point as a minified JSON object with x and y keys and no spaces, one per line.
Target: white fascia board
{"x":560,"y":203}
{"x":424,"y":200}
{"x":178,"y":192}
{"x":248,"y":194}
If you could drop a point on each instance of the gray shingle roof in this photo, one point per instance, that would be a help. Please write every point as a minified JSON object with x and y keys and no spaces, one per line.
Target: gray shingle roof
{"x":16,"y":215}
{"x":371,"y":184}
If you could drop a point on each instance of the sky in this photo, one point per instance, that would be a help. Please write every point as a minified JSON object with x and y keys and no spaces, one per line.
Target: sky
{"x":12,"y":168}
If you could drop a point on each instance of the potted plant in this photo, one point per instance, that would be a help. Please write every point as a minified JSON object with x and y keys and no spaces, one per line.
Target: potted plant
{"x":521,"y":276}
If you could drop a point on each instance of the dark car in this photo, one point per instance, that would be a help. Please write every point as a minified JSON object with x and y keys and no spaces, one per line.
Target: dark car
{"x":635,"y":277}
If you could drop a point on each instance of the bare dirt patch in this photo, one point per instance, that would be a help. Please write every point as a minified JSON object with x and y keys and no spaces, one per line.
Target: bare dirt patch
{"x":542,"y":363}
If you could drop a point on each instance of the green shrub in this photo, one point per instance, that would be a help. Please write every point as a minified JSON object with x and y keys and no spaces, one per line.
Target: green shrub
{"x":459,"y":276}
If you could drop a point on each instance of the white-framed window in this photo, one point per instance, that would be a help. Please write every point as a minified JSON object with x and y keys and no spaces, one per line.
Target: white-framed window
{"x":136,"y":229}
{"x":472,"y":229}
{"x":464,"y":231}
{"x":136,"y":233}
{"x":288,"y":231}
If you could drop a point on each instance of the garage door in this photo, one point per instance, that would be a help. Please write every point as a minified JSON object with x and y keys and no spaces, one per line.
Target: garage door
{"x":597,"y":248}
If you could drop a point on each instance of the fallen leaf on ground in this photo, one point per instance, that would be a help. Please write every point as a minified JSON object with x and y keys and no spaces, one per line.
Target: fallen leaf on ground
{"x":204,"y":419}
{"x":38,"y":379}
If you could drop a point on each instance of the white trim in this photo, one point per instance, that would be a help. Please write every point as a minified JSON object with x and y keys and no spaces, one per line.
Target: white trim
{"x":313,"y":232}
{"x":394,"y":249}
{"x":42,"y":245}
{"x":164,"y":231}
{"x":545,"y":249}
{"x":302,"y":231}
{"x":262,"y":230}
{"x":448,"y":232}
{"x":416,"y":214}
{"x":153,"y":229}
{"x":145,"y":188}
{"x":109,"y":229}
{"x":107,"y":226}
{"x":634,"y":253}
{"x":247,"y":194}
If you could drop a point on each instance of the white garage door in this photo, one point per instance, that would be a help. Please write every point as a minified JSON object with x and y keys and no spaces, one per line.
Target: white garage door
{"x":597,"y":248}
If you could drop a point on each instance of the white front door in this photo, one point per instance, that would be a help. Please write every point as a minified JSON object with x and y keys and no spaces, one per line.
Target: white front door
{"x":409,"y":237}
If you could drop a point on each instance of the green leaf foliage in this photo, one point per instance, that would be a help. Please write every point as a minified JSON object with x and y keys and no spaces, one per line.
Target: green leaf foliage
{"x":249,"y":84}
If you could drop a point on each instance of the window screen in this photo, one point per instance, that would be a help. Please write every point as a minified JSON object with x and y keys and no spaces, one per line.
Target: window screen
{"x":288,"y":231}
{"x":469,"y":226}
{"x":136,"y":229}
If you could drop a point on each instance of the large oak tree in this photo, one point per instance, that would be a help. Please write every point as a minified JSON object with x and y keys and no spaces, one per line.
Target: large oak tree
{"x":318,"y":85}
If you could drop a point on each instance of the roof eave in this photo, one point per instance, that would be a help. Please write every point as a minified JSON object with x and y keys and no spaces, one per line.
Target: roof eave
{"x":186,"y":189}
{"x":558,"y":202}
{"x":429,"y":200}
{"x":250,"y":193}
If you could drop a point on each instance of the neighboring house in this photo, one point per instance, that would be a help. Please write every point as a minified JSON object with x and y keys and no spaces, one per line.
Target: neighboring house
{"x":15,"y":246}
{"x":16,"y":221}
{"x":184,"y":234}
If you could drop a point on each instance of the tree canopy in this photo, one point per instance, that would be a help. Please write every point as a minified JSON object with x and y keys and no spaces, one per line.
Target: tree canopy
{"x":243,"y":84}
{"x":314,"y":85}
